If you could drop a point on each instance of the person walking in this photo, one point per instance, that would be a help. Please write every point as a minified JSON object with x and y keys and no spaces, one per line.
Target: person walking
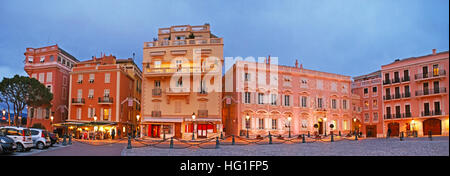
{"x":113,"y":133}
{"x":388,"y":133}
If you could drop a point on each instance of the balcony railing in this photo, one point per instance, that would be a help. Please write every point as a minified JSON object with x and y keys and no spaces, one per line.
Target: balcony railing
{"x":177,"y":91}
{"x":169,"y":70}
{"x":430,"y":75}
{"x":398,"y":115}
{"x":202,"y":113}
{"x":395,"y":80}
{"x":77,"y":100}
{"x":405,"y":79}
{"x":387,"y":116}
{"x":431,"y":91}
{"x":406,"y":115}
{"x":431,"y":113}
{"x":183,"y":42}
{"x":156,"y":92}
{"x":387,"y":97}
{"x":386,"y":81}
{"x":105,"y":100}
{"x":156,"y":113}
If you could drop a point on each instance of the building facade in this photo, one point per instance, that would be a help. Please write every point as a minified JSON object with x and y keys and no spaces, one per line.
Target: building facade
{"x":368,"y":88}
{"x":181,"y":80}
{"x":284,"y":99}
{"x":415,"y":95}
{"x":104,"y":97}
{"x":51,"y":65}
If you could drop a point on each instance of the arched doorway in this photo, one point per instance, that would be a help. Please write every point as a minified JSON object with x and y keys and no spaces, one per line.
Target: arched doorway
{"x":395,"y":128}
{"x":320,"y":123}
{"x":433,"y":125}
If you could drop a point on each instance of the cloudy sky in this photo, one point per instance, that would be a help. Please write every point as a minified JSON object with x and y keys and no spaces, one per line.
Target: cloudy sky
{"x":350,"y":37}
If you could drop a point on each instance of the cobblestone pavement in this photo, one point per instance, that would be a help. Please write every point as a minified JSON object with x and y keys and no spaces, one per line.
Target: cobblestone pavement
{"x":439,"y":146}
{"x":83,"y":149}
{"x":34,"y":151}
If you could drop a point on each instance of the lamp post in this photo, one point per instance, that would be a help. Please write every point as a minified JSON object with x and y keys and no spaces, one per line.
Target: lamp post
{"x":246,"y":124}
{"x":289,"y":120}
{"x":95,"y":133}
{"x":20,"y":120}
{"x":51,"y":121}
{"x":193,"y":126}
{"x":4,"y":114}
{"x":137,"y":123}
{"x":354,"y":123}
{"x":325,"y":121}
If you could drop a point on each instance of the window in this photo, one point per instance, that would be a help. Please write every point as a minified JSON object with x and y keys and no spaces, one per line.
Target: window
{"x":345,"y":125}
{"x":106,"y":114}
{"x":178,"y":64}
{"x":435,"y":70}
{"x":247,"y":97}
{"x":157,"y":83}
{"x":286,"y":100}
{"x":344,"y":104}
{"x":261,"y":124}
{"x":41,"y":77}
{"x":91,"y":78}
{"x":374,"y":90}
{"x":106,"y":93}
{"x":107,"y":77}
{"x":374,"y":104}
{"x":375,"y":117}
{"x":333,"y":103}
{"x":80,"y":78}
{"x":79,"y":113}
{"x":247,"y":123}
{"x":49,"y":76}
{"x":52,"y":58}
{"x":366,"y":91}
{"x":247,"y":76}
{"x":34,"y":75}
{"x":304,"y":124}
{"x":304,"y":101}
{"x":79,"y":93}
{"x":91,"y":93}
{"x":42,"y":60}
{"x":319,"y":102}
{"x":179,"y":82}
{"x":274,"y":99}
{"x":30,"y":59}
{"x":260,"y":98}
{"x":366,"y":104}
{"x":274,"y":124}
{"x":344,"y":88}
{"x":157,"y":64}
{"x":304,"y":83}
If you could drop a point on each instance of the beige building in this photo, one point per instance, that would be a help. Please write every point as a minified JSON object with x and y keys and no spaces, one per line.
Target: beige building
{"x":182,"y":71}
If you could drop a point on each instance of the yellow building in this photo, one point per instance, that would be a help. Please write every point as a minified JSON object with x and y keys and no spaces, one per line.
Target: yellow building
{"x":182,"y":73}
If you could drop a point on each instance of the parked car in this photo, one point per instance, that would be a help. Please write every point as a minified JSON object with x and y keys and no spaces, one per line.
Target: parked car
{"x":53,"y":138}
{"x":7,"y":145}
{"x":20,"y":135}
{"x":40,"y":138}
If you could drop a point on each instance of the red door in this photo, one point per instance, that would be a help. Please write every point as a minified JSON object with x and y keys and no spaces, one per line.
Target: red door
{"x":433,"y":125}
{"x":202,"y":130}
{"x":155,"y":131}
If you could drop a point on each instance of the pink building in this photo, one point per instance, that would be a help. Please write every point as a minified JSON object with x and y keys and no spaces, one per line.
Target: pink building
{"x":415,"y":95}
{"x":368,"y":88}
{"x":263,"y":97}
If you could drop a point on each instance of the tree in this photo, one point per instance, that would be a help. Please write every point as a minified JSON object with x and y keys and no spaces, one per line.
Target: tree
{"x":21,"y":91}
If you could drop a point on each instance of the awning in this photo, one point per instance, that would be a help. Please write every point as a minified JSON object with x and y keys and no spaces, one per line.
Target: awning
{"x":67,"y":124}
{"x":202,"y":120}
{"x":162,"y":119}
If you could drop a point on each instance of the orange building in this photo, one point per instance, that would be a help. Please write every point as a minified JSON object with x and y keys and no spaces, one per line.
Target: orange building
{"x":104,"y":96}
{"x":50,"y":65}
{"x":182,"y":79}
{"x":368,"y":88}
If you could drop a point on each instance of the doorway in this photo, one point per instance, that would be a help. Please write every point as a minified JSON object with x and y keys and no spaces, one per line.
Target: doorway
{"x":433,"y":125}
{"x":395,"y":127}
{"x":371,"y":131}
{"x":155,"y":131}
{"x":321,"y":127}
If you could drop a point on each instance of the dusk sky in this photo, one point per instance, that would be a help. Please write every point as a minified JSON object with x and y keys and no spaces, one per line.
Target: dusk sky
{"x":349,"y":37}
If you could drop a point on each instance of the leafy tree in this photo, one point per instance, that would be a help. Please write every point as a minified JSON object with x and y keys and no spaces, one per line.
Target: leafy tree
{"x":21,"y":91}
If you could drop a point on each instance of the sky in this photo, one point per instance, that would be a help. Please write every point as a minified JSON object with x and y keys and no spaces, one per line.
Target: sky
{"x":349,"y":37}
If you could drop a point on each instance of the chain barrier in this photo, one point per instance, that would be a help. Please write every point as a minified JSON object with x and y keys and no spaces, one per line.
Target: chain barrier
{"x":98,"y":142}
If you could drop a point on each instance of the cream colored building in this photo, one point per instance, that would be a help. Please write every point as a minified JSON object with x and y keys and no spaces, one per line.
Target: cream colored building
{"x":182,"y":72}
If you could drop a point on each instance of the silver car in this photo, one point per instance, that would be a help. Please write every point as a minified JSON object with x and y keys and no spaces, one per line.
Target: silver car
{"x":40,"y":138}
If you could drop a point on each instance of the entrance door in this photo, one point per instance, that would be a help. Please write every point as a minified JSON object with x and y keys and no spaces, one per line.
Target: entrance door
{"x":202,"y":130}
{"x":371,"y":131}
{"x":394,"y":128}
{"x":432,"y":124}
{"x":155,"y":131}
{"x":320,"y":127}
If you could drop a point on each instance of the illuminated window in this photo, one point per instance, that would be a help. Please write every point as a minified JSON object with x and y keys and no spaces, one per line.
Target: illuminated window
{"x":345,"y":125}
{"x":435,"y":70}
{"x":274,"y":124}
{"x":366,"y":104}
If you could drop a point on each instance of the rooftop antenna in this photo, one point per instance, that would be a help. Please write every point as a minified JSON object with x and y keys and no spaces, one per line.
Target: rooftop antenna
{"x":134,"y":55}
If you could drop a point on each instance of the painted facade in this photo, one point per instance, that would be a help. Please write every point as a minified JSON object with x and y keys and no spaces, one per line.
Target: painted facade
{"x":50,"y":65}
{"x":182,"y":71}
{"x":415,"y":95}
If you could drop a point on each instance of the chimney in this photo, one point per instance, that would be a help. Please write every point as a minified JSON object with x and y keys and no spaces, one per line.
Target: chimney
{"x":268,"y":60}
{"x":296,"y":63}
{"x":434,"y":51}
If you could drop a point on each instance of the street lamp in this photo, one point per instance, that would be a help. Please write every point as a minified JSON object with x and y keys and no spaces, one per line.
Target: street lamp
{"x":137,"y":123}
{"x":246,"y":124}
{"x":51,"y":121}
{"x":4,"y":114}
{"x":325,"y":121}
{"x":20,"y":120}
{"x":193,"y":126}
{"x":354,"y":123}
{"x":289,"y":120}
{"x":95,"y":133}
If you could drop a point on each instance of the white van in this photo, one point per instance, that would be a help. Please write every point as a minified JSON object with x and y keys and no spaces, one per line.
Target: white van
{"x":20,"y":135}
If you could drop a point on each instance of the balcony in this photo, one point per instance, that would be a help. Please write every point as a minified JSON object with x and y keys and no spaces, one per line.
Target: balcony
{"x":406,"y":115}
{"x":202,"y":113}
{"x":405,"y":79}
{"x":431,"y":113}
{"x":430,"y":75}
{"x":156,"y":113}
{"x":105,"y":100}
{"x":169,"y":71}
{"x":406,"y":95}
{"x":388,"y":97}
{"x":388,"y":116}
{"x":187,"y":42}
{"x":178,"y":91}
{"x":78,"y":101}
{"x":395,"y":80}
{"x":435,"y":91}
{"x":386,"y":81}
{"x":156,"y":92}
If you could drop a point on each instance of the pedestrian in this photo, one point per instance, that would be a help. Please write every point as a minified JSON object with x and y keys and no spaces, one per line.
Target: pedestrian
{"x":388,"y":133}
{"x":113,"y":133}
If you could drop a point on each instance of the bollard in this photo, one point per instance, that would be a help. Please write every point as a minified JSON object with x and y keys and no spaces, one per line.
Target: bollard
{"x":221,"y":135}
{"x":164,"y":136}
{"x":70,"y":140}
{"x":339,"y":133}
{"x":270,"y":138}
{"x":217,"y":142}
{"x":129,"y":142}
{"x":430,"y":135}
{"x":356,"y":137}
{"x":303,"y":138}
{"x":64,"y":141}
{"x":308,"y":134}
{"x":171,"y":142}
{"x":232,"y":141}
{"x":401,"y":136}
{"x":332,"y":137}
